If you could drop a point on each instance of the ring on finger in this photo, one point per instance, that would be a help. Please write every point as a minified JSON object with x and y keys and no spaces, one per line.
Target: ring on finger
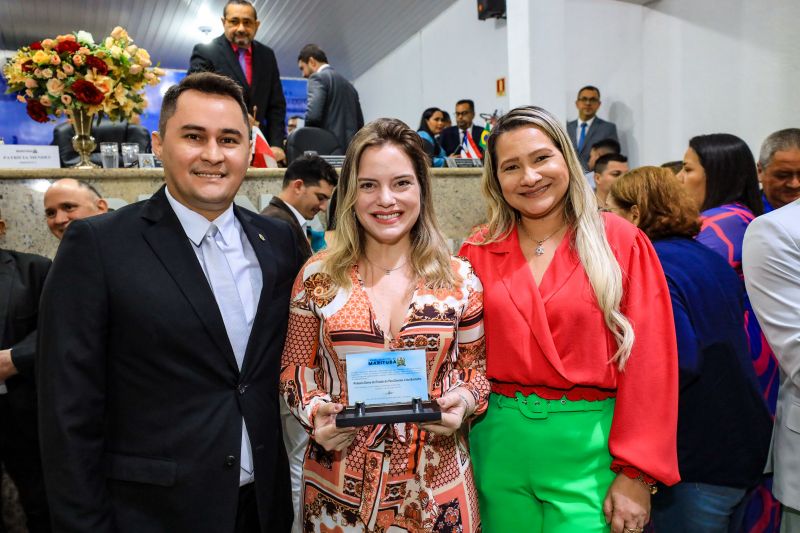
{"x":634,"y":529}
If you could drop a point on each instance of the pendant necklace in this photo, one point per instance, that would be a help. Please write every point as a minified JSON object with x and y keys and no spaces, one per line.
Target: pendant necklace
{"x":539,"y":248}
{"x":386,"y":271}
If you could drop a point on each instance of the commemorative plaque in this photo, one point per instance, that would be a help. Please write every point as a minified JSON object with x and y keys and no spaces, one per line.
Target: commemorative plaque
{"x":387,"y":388}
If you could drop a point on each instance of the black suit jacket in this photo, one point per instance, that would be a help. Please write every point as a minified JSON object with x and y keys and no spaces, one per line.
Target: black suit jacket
{"x":450,"y":137}
{"x":333,"y":104}
{"x":601,"y":129}
{"x":21,"y":280}
{"x":266,"y":92}
{"x":277,"y":208}
{"x":141,"y":399}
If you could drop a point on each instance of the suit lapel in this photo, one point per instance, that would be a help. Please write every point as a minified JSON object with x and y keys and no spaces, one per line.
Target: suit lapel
{"x":6,"y":279}
{"x":262,"y":247}
{"x":298,"y":230}
{"x":173,"y":248}
{"x":226,"y":50}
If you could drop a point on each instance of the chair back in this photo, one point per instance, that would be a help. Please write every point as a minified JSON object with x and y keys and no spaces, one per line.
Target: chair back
{"x":103,"y":130}
{"x":317,"y":139}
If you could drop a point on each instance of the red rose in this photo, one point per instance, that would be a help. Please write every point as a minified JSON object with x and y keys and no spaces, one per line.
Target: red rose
{"x":67,"y":46}
{"x":36,"y":46}
{"x":87,"y":93}
{"x":37,"y":111}
{"x":98,"y":64}
{"x":28,"y":66}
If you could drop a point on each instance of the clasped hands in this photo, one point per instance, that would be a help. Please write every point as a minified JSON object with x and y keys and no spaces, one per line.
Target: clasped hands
{"x":454,"y":406}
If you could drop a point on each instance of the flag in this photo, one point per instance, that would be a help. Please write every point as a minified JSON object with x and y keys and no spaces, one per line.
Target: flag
{"x":485,"y":136}
{"x":469,"y":148}
{"x":261,"y":156}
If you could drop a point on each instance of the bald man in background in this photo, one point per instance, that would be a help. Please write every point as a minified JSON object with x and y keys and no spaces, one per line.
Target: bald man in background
{"x":70,"y":199}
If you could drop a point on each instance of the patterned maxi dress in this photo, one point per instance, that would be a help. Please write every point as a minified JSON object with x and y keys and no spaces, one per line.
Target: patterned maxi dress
{"x":393,"y":478}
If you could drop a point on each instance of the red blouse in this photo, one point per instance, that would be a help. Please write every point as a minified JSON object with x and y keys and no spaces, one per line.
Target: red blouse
{"x":552,"y":340}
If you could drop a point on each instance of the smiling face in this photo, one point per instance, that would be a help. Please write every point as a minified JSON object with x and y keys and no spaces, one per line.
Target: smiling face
{"x":436,"y":122}
{"x":781,"y":178}
{"x":240,"y":24}
{"x":388,"y":200}
{"x":532,"y":172}
{"x":66,"y":200}
{"x":205,"y":151}
{"x":693,"y":177}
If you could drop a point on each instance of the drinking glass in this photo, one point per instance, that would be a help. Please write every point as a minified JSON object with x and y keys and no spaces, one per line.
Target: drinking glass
{"x":109,"y":154}
{"x":130,"y":155}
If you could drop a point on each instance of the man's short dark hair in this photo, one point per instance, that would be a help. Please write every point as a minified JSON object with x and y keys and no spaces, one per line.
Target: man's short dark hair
{"x":588,"y":88}
{"x":89,"y":187}
{"x":312,"y":50}
{"x":204,"y":82}
{"x":603,"y":161}
{"x":610,"y":145}
{"x":674,"y":166}
{"x":470,"y":103}
{"x":311,"y":169}
{"x":239,"y":3}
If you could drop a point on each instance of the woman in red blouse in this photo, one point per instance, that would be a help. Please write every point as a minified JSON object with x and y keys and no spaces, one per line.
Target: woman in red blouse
{"x":581,"y":350}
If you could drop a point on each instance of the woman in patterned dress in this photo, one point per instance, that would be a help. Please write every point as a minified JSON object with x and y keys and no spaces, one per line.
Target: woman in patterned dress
{"x":388,"y":283}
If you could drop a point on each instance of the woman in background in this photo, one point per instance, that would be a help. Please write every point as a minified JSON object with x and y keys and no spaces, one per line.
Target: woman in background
{"x":719,"y":173}
{"x":430,"y":125}
{"x":581,"y":355}
{"x":724,"y":427}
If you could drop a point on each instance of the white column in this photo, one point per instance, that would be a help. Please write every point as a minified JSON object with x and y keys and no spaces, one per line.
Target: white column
{"x":537,"y":57}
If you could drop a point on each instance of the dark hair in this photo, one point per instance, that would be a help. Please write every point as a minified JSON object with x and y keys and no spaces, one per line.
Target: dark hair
{"x":588,"y":88}
{"x":88,"y":186}
{"x":470,"y":103}
{"x":674,"y":166}
{"x":423,"y":122}
{"x":312,"y":50}
{"x":665,"y":209}
{"x":730,"y":171}
{"x":311,"y":169}
{"x":612,"y":145}
{"x":239,"y":3}
{"x":446,"y":116}
{"x":204,"y":82}
{"x":603,"y":161}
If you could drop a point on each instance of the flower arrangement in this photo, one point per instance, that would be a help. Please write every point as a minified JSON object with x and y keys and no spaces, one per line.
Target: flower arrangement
{"x":72,"y":72}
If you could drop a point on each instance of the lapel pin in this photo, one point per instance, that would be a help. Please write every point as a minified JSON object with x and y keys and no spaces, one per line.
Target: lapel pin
{"x":261,"y":236}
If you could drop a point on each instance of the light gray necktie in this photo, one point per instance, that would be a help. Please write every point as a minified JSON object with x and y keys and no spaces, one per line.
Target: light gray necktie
{"x":230,"y":306}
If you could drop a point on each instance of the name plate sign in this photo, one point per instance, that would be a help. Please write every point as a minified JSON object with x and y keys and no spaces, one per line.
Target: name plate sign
{"x":29,"y":156}
{"x":386,"y":388}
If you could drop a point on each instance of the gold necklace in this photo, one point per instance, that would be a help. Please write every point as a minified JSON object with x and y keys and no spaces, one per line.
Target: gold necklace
{"x":539,"y":248}
{"x":386,"y":271}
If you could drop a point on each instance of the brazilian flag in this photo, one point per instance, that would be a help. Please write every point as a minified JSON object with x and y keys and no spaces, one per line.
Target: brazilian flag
{"x":485,"y":136}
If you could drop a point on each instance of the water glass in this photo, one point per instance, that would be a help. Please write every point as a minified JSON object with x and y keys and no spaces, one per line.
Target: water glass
{"x":130,"y":155}
{"x":109,"y":154}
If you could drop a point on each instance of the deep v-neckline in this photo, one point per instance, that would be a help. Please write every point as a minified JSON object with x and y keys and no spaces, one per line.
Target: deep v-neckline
{"x":388,"y":336}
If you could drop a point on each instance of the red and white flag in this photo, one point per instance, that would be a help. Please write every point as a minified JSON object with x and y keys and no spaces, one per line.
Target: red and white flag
{"x":261,"y":156}
{"x":469,"y":148}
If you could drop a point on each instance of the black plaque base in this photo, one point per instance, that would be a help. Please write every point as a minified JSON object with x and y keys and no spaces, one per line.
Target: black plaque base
{"x":367,"y":415}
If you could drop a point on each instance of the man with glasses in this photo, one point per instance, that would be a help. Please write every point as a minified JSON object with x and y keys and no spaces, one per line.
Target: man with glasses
{"x":252,"y":65}
{"x":589,"y":128}
{"x":452,"y":138}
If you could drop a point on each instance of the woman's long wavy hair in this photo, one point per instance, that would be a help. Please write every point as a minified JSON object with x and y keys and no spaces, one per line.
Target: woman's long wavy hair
{"x":580,"y":211}
{"x":430,"y":257}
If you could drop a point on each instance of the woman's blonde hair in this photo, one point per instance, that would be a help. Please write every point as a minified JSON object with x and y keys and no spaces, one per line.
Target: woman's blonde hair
{"x":430,"y":256}
{"x":580,"y":212}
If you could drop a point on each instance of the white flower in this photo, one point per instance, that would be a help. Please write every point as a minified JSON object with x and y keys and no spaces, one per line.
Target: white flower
{"x":84,"y":37}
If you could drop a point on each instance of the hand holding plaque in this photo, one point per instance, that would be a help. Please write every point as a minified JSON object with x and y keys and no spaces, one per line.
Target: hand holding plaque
{"x":387,"y":388}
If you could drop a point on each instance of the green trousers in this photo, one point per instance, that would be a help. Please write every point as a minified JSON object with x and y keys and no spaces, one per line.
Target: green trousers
{"x":542,"y":466}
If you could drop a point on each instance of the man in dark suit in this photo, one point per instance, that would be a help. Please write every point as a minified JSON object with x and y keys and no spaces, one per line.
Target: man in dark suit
{"x":333,"y":102}
{"x":589,"y":128}
{"x":161,"y":331}
{"x":307,"y":187}
{"x":252,"y":65}
{"x":21,"y":279}
{"x":452,"y":138}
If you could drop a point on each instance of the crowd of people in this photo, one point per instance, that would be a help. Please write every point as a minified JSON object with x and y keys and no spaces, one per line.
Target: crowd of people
{"x":615,"y":349}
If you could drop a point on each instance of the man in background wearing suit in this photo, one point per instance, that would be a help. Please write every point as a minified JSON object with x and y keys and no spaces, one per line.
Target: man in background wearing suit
{"x":307,"y":187}
{"x":252,"y":65}
{"x":69,"y":199}
{"x":589,"y":128}
{"x":333,"y":102}
{"x":452,"y":138}
{"x":21,"y":279}
{"x":771,"y":264}
{"x":161,"y":330}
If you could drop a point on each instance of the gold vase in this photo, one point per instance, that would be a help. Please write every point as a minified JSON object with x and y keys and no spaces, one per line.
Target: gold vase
{"x":83,"y":142}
